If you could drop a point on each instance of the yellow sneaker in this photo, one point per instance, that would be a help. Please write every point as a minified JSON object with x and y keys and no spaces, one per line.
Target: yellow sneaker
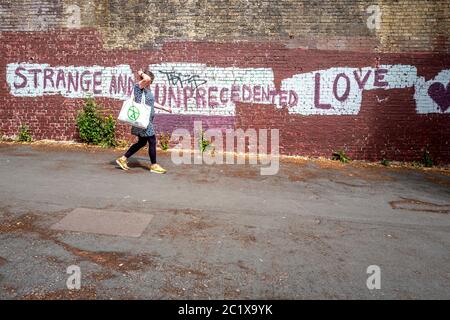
{"x":122,"y":162}
{"x":156,"y":168}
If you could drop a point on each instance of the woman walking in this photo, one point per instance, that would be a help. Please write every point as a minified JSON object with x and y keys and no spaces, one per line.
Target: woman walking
{"x":142,"y":89}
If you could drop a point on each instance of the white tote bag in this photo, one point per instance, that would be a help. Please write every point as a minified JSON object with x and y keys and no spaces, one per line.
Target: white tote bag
{"x":136,"y":114}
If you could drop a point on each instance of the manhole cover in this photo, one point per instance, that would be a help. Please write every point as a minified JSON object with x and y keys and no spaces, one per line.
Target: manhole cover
{"x":115,"y":223}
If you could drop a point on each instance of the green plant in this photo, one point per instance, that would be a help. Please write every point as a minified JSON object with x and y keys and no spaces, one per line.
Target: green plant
{"x":427,"y":161}
{"x":93,"y":128}
{"x":89,"y":122}
{"x":24,"y":134}
{"x":341,"y":156}
{"x":109,"y":132}
{"x":164,"y":140}
{"x":416,"y":164}
{"x":385,"y":162}
{"x":203,"y":143}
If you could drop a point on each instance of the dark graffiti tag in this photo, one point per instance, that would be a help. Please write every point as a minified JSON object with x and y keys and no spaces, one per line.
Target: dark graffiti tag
{"x":175,"y":78}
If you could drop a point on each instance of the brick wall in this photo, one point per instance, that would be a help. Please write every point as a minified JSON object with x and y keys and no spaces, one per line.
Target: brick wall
{"x":371,"y":77}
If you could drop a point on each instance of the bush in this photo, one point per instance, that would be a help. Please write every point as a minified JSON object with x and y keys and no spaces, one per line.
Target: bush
{"x":24,"y":134}
{"x":164,"y":140}
{"x":93,"y":128}
{"x":385,"y":162}
{"x":341,"y":156}
{"x":109,"y":132}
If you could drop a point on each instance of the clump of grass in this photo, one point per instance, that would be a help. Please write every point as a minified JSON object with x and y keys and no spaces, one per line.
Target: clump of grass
{"x":416,"y":164}
{"x":386,"y":162}
{"x":164,"y":140}
{"x":24,"y":134}
{"x":340,"y":156}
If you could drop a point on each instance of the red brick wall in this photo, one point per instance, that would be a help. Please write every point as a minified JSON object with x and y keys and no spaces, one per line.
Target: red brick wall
{"x":386,"y":126}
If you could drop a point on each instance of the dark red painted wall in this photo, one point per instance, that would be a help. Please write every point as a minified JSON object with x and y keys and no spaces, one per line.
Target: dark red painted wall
{"x":390,"y":129}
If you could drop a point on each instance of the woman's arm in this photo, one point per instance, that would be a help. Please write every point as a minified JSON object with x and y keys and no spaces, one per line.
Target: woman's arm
{"x":146,"y":80}
{"x":160,"y":107}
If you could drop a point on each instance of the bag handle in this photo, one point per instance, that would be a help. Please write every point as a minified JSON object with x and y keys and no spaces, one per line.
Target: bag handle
{"x":143,"y":96}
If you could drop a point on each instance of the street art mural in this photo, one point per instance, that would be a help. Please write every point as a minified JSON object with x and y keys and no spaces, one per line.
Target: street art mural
{"x":338,"y":91}
{"x":33,"y":80}
{"x":433,"y":95}
{"x":198,"y":89}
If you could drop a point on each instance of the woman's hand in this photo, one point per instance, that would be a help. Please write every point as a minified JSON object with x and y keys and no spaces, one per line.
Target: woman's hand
{"x":145,"y":79}
{"x":160,"y":107}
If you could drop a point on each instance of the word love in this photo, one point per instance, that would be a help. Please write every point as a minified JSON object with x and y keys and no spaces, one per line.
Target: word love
{"x":342,"y":85}
{"x":339,"y":91}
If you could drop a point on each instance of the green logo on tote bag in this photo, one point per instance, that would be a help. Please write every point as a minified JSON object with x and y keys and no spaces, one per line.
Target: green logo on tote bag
{"x":133,"y":113}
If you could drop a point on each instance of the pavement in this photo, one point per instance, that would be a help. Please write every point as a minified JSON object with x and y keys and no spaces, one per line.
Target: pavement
{"x":221,"y":231}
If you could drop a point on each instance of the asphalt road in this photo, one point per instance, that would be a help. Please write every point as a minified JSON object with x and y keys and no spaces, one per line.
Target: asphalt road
{"x":222,"y":231}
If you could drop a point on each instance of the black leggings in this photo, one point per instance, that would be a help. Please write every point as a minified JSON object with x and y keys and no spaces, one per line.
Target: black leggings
{"x":141,"y":143}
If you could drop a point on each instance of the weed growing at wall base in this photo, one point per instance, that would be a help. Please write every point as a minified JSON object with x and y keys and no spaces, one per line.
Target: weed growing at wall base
{"x":203,"y":143}
{"x":341,"y":156}
{"x":164,"y":140}
{"x":24,"y":134}
{"x":427,"y":161}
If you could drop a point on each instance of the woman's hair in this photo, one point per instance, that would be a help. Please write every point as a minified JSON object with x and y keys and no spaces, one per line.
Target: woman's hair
{"x":150,"y":74}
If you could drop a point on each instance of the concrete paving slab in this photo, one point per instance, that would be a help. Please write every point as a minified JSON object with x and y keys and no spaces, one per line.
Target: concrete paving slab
{"x":124,"y":224}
